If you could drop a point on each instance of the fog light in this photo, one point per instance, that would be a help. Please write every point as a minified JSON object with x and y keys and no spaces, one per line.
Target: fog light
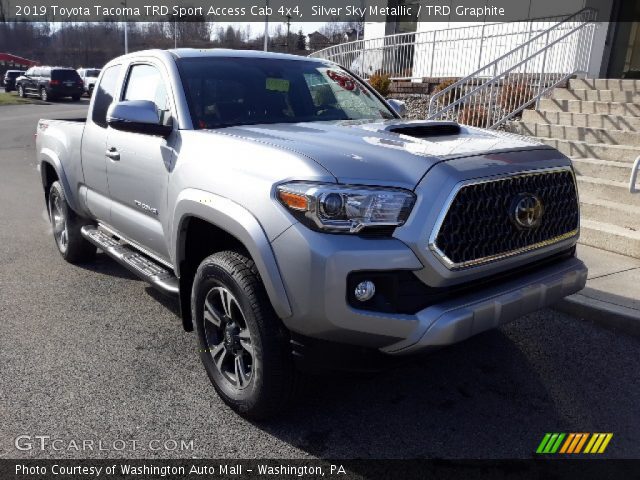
{"x":365,"y":291}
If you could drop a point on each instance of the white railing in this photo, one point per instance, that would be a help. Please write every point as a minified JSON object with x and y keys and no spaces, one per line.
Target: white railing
{"x":634,"y":176}
{"x":504,"y":87}
{"x":453,"y":52}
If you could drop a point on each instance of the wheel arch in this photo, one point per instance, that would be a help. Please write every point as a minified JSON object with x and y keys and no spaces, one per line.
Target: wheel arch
{"x":50,"y":171}
{"x":204,"y":223}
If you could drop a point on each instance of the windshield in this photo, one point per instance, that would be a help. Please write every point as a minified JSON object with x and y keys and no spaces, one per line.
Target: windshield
{"x":222,"y":92}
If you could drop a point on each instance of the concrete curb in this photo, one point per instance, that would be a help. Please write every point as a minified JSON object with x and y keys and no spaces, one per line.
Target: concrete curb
{"x":608,"y":315}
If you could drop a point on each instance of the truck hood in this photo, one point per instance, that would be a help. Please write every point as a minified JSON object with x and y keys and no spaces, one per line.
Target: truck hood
{"x":391,"y":152}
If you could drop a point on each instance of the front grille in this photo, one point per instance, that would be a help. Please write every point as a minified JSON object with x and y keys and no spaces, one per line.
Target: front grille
{"x":478,"y":226}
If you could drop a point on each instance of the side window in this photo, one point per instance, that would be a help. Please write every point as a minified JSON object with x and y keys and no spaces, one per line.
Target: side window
{"x":104,"y":95}
{"x":30,"y":71}
{"x":145,"y":83}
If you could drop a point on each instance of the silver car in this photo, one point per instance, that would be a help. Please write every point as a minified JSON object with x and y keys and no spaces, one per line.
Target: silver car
{"x":299,"y":220}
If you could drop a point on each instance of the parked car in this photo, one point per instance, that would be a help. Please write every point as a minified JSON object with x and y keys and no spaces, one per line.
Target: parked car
{"x":89,"y":76}
{"x":294,"y":214}
{"x":9,"y":80}
{"x":49,"y":83}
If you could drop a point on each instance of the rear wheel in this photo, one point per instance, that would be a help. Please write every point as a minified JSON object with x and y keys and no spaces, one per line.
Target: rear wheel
{"x":44,"y":96}
{"x":66,"y":225}
{"x":243,"y":345}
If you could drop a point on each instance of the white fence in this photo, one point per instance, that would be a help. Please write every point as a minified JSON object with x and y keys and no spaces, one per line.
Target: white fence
{"x":454,"y":52}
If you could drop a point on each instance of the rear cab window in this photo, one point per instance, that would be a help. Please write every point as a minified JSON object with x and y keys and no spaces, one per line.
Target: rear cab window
{"x":104,"y":95}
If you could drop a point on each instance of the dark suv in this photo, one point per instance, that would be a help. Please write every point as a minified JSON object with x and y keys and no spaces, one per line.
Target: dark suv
{"x":51,"y":82}
{"x":10,"y":79}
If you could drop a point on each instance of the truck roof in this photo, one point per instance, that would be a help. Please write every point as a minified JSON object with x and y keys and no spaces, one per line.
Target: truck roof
{"x":221,"y":52}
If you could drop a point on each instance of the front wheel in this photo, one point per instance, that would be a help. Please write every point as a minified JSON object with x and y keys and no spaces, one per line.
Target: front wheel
{"x":66,"y":225}
{"x":44,"y":96}
{"x":21,"y":92}
{"x":243,"y":345}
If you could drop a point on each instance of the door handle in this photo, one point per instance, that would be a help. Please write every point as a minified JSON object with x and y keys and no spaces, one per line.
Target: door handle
{"x":113,"y":154}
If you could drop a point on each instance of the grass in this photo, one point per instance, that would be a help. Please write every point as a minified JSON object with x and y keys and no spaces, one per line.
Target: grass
{"x":12,"y":99}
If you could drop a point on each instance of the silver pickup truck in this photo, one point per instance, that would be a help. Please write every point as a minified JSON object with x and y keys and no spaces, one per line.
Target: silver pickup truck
{"x":294,"y":214}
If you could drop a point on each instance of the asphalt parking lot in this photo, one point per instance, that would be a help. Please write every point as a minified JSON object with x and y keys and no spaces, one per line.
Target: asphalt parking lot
{"x":92,"y":353}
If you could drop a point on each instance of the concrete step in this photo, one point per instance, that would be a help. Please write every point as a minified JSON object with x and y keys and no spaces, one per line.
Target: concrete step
{"x":601,"y":151}
{"x":605,"y":84}
{"x":621,"y":96}
{"x":617,"y":122}
{"x":580,"y":106}
{"x":610,"y":237}
{"x":581,"y":134}
{"x":607,"y":169}
{"x":603,"y":189}
{"x":606,"y":211}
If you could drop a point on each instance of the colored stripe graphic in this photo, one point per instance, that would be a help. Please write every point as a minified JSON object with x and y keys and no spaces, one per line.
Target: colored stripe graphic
{"x":543,"y":443}
{"x":590,"y":444}
{"x":556,"y":445}
{"x":567,"y":443}
{"x":581,"y":442}
{"x":605,"y":442}
{"x":572,"y":443}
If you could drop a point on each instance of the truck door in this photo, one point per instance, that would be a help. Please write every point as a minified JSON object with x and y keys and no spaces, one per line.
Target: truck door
{"x":94,"y":146}
{"x":139,"y":165}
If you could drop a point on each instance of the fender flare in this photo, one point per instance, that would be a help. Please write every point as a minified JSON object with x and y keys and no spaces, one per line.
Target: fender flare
{"x":241,"y":224}
{"x":48,"y":156}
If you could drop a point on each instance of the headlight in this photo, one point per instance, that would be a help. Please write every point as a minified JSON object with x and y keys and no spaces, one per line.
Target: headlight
{"x":338,"y":208}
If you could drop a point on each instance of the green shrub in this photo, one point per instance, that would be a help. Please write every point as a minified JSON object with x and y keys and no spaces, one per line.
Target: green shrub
{"x":381,"y":83}
{"x":474,"y":115}
{"x":449,"y":97}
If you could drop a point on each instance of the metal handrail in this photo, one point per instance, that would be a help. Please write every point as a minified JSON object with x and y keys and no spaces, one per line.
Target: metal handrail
{"x":451,"y":52}
{"x":504,"y":87}
{"x":634,"y":176}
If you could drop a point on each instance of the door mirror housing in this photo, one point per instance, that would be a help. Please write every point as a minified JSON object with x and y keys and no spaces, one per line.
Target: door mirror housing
{"x":138,"y":116}
{"x":398,"y":106}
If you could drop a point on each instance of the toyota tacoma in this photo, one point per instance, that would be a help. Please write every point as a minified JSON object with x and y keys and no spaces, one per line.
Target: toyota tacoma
{"x":290,"y":209}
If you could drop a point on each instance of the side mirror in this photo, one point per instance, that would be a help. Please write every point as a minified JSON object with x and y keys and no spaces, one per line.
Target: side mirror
{"x":138,"y":116}
{"x":399,"y":106}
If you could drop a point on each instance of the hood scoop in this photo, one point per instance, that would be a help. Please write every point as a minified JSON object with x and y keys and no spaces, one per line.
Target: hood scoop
{"x":425,"y":129}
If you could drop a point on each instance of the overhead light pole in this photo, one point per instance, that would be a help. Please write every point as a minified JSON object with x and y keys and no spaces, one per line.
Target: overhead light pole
{"x":266,"y":26}
{"x":126,"y":40}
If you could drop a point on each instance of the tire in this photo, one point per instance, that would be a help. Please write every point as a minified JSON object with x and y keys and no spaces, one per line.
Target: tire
{"x":244,"y":346}
{"x":66,"y":225}
{"x":21,"y":92}
{"x":44,"y":96}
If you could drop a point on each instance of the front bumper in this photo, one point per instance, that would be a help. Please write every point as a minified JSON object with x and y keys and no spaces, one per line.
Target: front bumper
{"x":454,"y":321}
{"x":315,"y":267}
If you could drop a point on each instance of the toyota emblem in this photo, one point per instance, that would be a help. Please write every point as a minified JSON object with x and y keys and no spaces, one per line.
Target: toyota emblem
{"x":526,"y":211}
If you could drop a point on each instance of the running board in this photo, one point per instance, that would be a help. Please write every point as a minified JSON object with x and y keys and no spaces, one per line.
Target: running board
{"x":148,"y":270}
